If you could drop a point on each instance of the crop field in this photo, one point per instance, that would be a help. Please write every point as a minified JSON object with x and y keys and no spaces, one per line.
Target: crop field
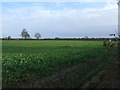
{"x":25,"y":60}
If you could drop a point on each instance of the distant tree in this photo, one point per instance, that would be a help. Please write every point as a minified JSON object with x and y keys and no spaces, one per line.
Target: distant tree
{"x":37,"y":35}
{"x":3,"y":36}
{"x":57,"y":38}
{"x":25,"y":34}
{"x":86,"y":37}
{"x":6,"y":37}
{"x":9,"y":37}
{"x":93,"y":38}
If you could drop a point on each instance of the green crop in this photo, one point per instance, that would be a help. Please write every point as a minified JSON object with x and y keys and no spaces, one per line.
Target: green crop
{"x":23,"y":60}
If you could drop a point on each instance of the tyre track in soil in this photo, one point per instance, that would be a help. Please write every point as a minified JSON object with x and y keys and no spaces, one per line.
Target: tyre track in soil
{"x":37,"y":82}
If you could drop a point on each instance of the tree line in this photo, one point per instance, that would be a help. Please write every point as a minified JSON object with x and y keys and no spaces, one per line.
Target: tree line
{"x":25,"y":35}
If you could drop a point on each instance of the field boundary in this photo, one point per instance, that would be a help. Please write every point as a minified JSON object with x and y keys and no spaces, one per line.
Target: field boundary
{"x":81,"y":39}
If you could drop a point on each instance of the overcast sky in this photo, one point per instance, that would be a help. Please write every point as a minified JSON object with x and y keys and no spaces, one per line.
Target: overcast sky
{"x":60,"y":19}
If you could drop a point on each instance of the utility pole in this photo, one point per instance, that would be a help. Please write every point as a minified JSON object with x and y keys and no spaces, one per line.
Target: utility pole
{"x":118,"y":53}
{"x":119,"y":19}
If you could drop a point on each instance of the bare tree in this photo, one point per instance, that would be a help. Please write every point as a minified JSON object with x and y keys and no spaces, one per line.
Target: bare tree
{"x":86,"y":37}
{"x":9,"y":37}
{"x":25,"y":34}
{"x":37,"y":35}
